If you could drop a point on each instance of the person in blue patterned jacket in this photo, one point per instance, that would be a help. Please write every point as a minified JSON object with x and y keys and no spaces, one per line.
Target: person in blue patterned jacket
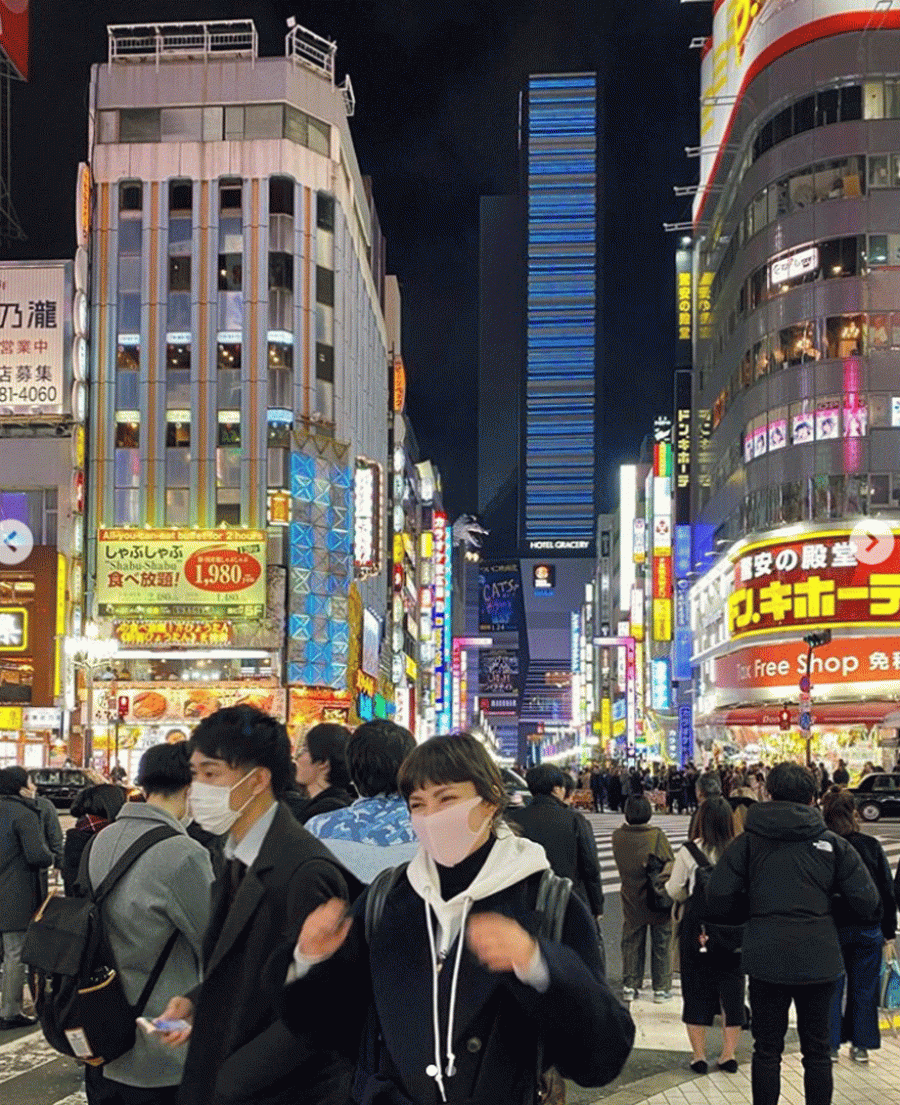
{"x":375,"y":831}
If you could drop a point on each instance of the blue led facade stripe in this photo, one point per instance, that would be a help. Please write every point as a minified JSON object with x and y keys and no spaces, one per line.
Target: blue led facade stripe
{"x":559,"y":403}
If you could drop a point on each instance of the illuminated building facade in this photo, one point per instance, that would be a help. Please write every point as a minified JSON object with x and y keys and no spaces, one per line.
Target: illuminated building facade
{"x":559,"y":403}
{"x":796,"y":405}
{"x":239,"y":360}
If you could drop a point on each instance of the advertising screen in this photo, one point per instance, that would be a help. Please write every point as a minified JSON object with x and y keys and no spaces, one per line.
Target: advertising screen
{"x":499,"y":597}
{"x":149,"y":705}
{"x":781,"y":585}
{"x":544,"y":579}
{"x":181,"y":568}
{"x":32,"y":339}
{"x":498,"y":671}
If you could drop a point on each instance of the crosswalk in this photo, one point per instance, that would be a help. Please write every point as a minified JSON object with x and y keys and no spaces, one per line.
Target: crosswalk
{"x":675,"y":826}
{"x":31,"y":1073}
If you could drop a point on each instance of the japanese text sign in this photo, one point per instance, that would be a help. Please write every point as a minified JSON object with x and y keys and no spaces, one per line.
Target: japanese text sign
{"x":181,"y":568}
{"x":32,"y":345}
{"x":815,"y":580}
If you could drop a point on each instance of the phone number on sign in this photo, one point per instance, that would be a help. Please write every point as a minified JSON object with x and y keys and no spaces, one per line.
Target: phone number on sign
{"x":44,"y":393}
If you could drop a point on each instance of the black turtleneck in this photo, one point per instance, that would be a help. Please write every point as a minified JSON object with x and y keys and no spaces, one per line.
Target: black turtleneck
{"x":456,"y":879}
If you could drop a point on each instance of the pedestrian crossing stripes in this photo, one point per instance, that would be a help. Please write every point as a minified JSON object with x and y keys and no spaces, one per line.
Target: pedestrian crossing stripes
{"x":675,"y":827}
{"x":24,"y":1054}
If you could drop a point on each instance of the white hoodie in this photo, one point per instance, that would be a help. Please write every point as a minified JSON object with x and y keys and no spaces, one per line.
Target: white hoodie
{"x":511,"y":859}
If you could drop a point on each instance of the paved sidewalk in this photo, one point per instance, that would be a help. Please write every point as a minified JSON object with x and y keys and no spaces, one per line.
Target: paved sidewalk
{"x":659,"y":1029}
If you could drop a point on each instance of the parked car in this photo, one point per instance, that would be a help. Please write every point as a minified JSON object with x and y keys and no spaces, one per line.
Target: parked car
{"x":517,"y":791}
{"x":878,"y":795}
{"x":61,"y":784}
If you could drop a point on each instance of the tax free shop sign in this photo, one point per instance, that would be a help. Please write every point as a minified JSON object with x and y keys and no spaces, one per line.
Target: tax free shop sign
{"x":174,"y":568}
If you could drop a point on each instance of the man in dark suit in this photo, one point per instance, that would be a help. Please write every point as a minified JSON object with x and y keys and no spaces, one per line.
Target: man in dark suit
{"x":276,"y":874}
{"x":564,"y":834}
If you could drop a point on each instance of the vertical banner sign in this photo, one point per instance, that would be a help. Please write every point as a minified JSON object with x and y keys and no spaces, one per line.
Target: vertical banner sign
{"x":684,"y":305}
{"x":439,"y":611}
{"x":631,"y":700}
{"x":685,"y":726}
{"x":682,"y":466}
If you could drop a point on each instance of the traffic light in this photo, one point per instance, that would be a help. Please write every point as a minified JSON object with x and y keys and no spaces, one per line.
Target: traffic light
{"x":122,"y":706}
{"x":784,"y":719}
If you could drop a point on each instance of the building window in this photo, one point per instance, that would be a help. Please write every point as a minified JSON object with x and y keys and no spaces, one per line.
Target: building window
{"x":324,"y":286}
{"x":178,"y":505}
{"x":234,"y":123}
{"x":139,"y":124}
{"x":178,"y":388}
{"x":180,"y":197}
{"x":281,"y":271}
{"x":229,"y":428}
{"x":181,"y":124}
{"x":228,"y":359}
{"x":263,"y":121}
{"x":230,"y":196}
{"x":281,"y":388}
{"x":231,"y":272}
{"x":179,"y":274}
{"x":281,"y":196}
{"x":36,"y":509}
{"x":324,"y":211}
{"x":213,"y":124}
{"x":128,"y":430}
{"x":130,"y":198}
{"x":126,"y":506}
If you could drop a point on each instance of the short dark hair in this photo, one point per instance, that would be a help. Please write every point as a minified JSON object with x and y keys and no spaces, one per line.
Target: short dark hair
{"x":327,"y":741}
{"x":375,"y":751}
{"x":455,"y":758}
{"x":709,"y":784}
{"x":638,"y":810}
{"x":243,"y":736}
{"x":568,"y":783}
{"x":103,"y":800}
{"x":544,"y":778}
{"x":16,"y":772}
{"x":9,"y":782}
{"x":165,"y":769}
{"x":789,"y":782}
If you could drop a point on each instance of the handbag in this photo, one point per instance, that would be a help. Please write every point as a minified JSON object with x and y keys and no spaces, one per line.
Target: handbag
{"x":658,"y":899}
{"x":890,"y":981}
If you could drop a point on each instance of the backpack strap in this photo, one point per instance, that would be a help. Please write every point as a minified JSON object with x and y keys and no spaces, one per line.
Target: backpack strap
{"x":552,"y":901}
{"x":143,"y":844}
{"x":379,"y":888}
{"x":698,"y":854}
{"x":155,"y":973}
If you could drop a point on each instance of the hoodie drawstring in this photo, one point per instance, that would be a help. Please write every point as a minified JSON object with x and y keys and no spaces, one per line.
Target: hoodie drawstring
{"x":433,"y":1070}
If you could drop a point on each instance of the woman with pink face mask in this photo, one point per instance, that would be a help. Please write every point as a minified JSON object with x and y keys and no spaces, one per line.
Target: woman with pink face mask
{"x":456,"y":997}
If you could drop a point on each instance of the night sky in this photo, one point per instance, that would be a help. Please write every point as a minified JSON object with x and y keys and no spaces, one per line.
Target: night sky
{"x":437,"y":85}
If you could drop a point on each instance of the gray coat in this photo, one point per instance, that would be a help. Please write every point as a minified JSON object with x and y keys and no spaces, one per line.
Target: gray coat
{"x":23,"y":855}
{"x":53,"y":833}
{"x":167,"y":888}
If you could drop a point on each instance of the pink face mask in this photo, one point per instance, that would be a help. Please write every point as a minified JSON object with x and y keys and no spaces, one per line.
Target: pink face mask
{"x":446,"y":835}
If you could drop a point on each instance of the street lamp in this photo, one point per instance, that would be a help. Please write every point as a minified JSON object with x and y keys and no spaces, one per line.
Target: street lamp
{"x":812,"y":641}
{"x":89,"y":654}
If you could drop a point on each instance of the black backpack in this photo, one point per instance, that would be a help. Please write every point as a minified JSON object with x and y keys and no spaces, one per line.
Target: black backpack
{"x":694,"y":925}
{"x":80,"y":1002}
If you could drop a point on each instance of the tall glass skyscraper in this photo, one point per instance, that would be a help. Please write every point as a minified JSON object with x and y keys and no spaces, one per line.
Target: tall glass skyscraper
{"x":558,"y":498}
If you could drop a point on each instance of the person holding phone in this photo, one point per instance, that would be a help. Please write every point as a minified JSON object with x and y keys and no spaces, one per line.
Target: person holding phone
{"x":166,"y":890}
{"x":453,"y":994}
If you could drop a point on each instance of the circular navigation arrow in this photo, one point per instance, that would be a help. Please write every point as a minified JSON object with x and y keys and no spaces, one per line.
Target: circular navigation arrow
{"x":873,"y":541}
{"x":16,"y":541}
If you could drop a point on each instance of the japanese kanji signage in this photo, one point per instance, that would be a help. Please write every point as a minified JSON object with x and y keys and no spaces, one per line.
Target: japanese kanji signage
{"x":32,"y":331}
{"x":139,"y":634}
{"x":172,"y":568}
{"x":151,"y":704}
{"x":816,"y":580}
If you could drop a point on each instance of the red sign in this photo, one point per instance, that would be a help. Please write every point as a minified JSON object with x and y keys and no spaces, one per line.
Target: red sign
{"x":662,"y":577}
{"x":846,"y":660}
{"x":222,"y":570}
{"x":812,"y":581}
{"x":14,"y":34}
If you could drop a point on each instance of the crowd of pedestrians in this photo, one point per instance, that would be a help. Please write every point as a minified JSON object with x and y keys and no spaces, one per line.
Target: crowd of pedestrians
{"x":367,"y":922}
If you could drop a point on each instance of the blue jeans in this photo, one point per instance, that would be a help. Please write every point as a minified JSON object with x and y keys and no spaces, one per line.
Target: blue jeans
{"x":861,"y":947}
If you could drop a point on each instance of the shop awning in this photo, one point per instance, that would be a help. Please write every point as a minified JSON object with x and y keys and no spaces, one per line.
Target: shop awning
{"x":824,"y":713}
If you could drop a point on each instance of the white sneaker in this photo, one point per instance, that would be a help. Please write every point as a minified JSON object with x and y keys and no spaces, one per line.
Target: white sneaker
{"x":628,"y":994}
{"x":659,"y":996}
{"x":859,"y":1054}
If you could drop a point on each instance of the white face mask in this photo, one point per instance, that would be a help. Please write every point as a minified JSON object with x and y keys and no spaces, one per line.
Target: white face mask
{"x":210,"y":805}
{"x":446,"y":835}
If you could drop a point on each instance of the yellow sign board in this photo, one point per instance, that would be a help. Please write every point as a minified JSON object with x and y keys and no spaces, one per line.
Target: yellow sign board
{"x":181,"y":568}
{"x":10,"y":717}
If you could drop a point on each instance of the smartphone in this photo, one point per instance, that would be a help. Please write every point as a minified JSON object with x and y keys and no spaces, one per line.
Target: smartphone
{"x":162,"y":1025}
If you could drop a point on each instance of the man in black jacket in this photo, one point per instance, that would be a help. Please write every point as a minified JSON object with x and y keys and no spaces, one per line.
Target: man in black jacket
{"x":564,"y":833}
{"x":780,"y":876}
{"x":276,"y":874}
